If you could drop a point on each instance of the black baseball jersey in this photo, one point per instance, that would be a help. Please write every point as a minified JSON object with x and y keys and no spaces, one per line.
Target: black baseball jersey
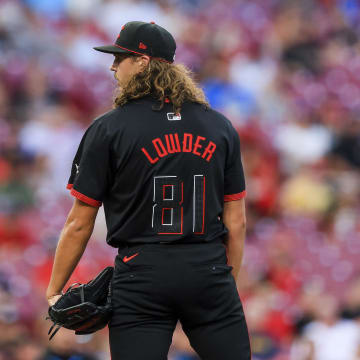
{"x":162,"y":177}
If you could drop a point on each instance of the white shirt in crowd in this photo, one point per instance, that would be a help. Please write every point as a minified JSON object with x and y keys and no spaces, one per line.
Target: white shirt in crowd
{"x":340,"y":341}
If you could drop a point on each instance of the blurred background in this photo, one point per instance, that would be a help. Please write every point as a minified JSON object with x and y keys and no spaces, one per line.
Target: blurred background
{"x":286,"y":73}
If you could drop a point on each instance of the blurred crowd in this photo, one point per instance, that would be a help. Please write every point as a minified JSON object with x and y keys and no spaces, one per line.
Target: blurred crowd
{"x":286,"y":73}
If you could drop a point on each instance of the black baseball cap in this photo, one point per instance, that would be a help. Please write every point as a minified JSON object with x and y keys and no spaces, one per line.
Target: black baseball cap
{"x":144,"y":39}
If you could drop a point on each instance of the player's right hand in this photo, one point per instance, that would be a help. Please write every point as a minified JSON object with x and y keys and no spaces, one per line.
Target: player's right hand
{"x":53,"y":299}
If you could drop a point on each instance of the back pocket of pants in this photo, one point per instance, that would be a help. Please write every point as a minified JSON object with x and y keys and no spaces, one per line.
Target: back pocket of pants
{"x":214,"y":268}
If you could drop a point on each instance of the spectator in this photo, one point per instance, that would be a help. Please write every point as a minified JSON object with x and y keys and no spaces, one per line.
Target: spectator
{"x":330,"y":337}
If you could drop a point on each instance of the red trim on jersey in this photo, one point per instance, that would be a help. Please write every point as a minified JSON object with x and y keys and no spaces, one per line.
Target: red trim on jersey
{"x":202,"y":231}
{"x":69,"y":186}
{"x":233,"y":197}
{"x":135,"y":52}
{"x":85,"y":198}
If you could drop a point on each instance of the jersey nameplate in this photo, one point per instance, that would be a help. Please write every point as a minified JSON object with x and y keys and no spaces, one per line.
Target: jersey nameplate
{"x":171,"y":143}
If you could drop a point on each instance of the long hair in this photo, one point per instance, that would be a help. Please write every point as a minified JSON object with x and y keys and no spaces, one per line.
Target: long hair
{"x":162,"y":80}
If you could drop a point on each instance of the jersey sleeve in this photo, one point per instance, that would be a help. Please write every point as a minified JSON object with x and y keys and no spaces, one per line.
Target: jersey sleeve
{"x":89,"y":176}
{"x":234,"y":180}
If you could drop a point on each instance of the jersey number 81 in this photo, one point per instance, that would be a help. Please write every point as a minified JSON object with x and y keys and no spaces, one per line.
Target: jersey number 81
{"x":167,"y":212}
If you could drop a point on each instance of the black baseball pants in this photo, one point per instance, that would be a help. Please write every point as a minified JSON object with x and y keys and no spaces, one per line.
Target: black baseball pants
{"x":155,"y":285}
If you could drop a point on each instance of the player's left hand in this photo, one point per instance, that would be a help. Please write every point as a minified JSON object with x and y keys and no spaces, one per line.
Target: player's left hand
{"x":85,"y":308}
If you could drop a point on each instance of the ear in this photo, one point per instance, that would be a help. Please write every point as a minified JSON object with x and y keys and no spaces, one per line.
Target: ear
{"x":144,"y":61}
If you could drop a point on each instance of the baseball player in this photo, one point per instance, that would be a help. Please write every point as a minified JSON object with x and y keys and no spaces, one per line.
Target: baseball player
{"x":168,"y":171}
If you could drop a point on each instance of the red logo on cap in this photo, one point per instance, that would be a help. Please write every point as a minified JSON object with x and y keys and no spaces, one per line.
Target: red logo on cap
{"x":142,"y":46}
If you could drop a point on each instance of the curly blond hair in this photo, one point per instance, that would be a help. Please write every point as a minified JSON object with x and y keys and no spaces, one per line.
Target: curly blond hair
{"x":162,"y":80}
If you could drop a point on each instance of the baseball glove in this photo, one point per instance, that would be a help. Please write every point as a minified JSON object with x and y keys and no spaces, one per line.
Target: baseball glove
{"x":85,"y":308}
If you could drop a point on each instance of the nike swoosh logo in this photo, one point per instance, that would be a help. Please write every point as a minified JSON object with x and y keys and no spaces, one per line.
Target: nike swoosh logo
{"x":126,"y":259}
